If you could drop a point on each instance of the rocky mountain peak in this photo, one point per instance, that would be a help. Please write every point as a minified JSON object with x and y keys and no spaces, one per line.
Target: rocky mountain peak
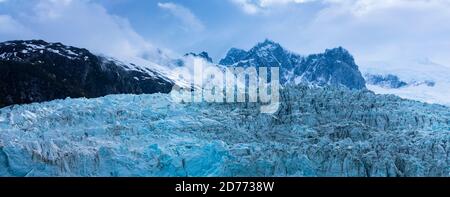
{"x":340,"y":54}
{"x":37,"y":71}
{"x":204,"y":55}
{"x":335,"y":67}
{"x":234,"y":55}
{"x":39,"y":51}
{"x":267,"y":45}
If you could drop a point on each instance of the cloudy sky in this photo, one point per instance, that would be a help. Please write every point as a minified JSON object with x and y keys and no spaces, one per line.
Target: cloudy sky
{"x":372,"y":30}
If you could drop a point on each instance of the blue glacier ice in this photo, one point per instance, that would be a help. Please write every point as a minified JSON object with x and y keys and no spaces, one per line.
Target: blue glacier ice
{"x":317,"y":132}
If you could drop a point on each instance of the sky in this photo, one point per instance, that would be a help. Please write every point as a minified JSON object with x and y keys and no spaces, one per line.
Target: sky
{"x":372,"y":30}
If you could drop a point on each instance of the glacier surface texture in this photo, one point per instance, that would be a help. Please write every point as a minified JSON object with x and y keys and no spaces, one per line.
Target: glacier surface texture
{"x":316,"y":132}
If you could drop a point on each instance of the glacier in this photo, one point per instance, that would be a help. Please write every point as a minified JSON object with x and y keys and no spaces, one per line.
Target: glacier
{"x":317,"y":132}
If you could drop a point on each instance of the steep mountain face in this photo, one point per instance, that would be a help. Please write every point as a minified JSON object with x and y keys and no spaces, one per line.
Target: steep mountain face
{"x":335,"y":67}
{"x":233,"y":56}
{"x":317,"y":132}
{"x":36,"y":71}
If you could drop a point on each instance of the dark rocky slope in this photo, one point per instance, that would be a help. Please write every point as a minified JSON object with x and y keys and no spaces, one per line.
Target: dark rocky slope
{"x":36,"y":71}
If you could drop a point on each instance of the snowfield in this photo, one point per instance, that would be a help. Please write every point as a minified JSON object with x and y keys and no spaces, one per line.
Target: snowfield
{"x":317,"y":132}
{"x":415,"y":73}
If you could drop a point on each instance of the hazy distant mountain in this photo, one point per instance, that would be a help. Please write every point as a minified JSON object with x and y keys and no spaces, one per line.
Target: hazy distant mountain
{"x":386,"y":81}
{"x":425,"y":80}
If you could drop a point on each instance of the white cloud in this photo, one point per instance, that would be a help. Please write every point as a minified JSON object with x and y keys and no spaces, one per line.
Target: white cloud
{"x":357,"y":7}
{"x":268,"y":3}
{"x":361,"y":7}
{"x":189,"y":20}
{"x":11,"y":28}
{"x":387,"y":29}
{"x":253,"y":7}
{"x":247,"y":6}
{"x":81,"y":23}
{"x":371,"y":29}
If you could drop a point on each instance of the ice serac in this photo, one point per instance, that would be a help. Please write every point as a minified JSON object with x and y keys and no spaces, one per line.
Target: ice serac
{"x":36,"y":71}
{"x":336,"y":67}
{"x":317,"y":132}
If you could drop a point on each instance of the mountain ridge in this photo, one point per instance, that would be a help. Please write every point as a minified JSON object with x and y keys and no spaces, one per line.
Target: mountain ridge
{"x":47,"y":71}
{"x":36,"y":71}
{"x":335,"y":67}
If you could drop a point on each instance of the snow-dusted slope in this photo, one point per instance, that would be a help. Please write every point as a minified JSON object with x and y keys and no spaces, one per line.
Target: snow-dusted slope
{"x":37,"y":71}
{"x":317,"y":132}
{"x":426,"y":81}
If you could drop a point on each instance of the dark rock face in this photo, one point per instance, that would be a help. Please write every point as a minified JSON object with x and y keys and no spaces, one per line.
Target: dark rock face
{"x":234,"y":55}
{"x":203,"y":55}
{"x":37,"y":71}
{"x":335,"y":67}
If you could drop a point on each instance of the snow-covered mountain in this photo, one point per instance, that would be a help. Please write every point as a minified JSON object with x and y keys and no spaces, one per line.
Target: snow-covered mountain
{"x":36,"y":71}
{"x":317,"y":132}
{"x":335,"y":67}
